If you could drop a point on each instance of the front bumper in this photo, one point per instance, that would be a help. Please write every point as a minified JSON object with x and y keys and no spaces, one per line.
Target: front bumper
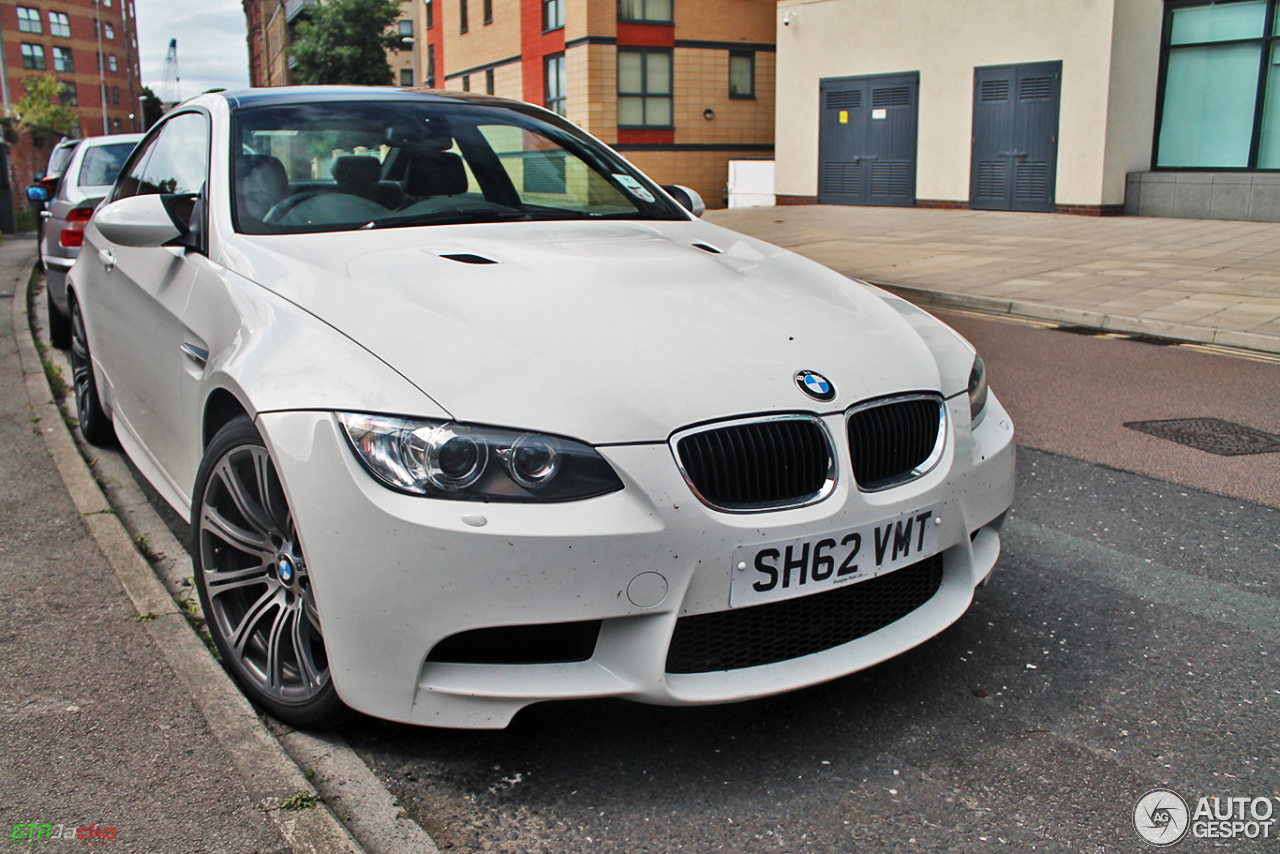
{"x":395,"y":574}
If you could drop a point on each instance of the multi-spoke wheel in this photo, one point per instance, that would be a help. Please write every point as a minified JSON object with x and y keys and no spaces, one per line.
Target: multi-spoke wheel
{"x":95,"y":424}
{"x":253,"y":582}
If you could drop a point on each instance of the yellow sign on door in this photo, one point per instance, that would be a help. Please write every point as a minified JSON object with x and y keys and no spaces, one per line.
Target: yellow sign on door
{"x":844,"y":117}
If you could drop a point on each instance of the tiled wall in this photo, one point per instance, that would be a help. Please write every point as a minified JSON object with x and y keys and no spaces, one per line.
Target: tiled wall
{"x":1253,"y":196}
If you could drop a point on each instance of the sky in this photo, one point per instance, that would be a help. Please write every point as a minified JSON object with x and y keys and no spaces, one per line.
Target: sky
{"x":211,"y":43}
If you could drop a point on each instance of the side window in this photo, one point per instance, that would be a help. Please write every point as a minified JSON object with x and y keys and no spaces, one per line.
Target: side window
{"x":131,"y":174}
{"x":179,"y":161}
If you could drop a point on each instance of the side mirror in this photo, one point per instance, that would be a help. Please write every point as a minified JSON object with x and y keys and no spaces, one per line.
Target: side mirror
{"x":37,"y":194}
{"x":688,"y":199}
{"x":140,"y":221}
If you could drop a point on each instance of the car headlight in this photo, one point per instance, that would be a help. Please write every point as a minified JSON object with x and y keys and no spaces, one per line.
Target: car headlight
{"x":977,"y":390}
{"x":445,"y":459}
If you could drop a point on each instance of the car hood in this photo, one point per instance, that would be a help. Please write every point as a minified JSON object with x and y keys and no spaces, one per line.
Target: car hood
{"x":609,"y":332}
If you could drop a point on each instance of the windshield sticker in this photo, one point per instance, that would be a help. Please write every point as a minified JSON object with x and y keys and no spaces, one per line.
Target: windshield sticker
{"x":636,"y":188}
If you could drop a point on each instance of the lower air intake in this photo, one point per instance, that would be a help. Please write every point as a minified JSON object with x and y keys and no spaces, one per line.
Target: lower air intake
{"x":778,"y":631}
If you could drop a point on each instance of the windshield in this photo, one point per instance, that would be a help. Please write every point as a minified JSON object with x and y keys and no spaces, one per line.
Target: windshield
{"x":102,"y":164}
{"x":339,"y":166}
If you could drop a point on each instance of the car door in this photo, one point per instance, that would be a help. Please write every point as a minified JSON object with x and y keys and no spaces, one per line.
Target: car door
{"x":142,"y":294}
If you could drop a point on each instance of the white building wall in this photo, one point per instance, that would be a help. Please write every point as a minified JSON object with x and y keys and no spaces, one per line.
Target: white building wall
{"x":1105,"y":129}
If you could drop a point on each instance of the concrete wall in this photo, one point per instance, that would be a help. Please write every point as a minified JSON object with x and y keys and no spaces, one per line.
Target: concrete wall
{"x":1109,"y":51}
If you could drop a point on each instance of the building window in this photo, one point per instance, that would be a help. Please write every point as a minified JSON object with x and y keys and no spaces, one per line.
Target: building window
{"x":406,"y":29}
{"x":62,"y":60}
{"x":116,"y":127}
{"x":466,"y":83}
{"x":59,"y":25}
{"x":556,"y":83}
{"x":111,"y":63}
{"x":644,"y":87}
{"x":650,"y":11}
{"x":488,"y":81}
{"x":67,"y":94}
{"x":552,"y":15}
{"x":1220,"y":86}
{"x":109,"y":31}
{"x":742,"y":74}
{"x":488,"y":11}
{"x":406,"y":77}
{"x":431,"y":17}
{"x":33,"y":57}
{"x":431,"y":66}
{"x":115,"y":94}
{"x":29,"y":20}
{"x":462,"y":16}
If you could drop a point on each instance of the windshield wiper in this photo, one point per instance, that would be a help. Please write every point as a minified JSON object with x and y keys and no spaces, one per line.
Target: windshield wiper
{"x":449,"y":217}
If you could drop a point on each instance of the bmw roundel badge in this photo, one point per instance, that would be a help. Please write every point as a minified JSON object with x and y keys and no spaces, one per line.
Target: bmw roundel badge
{"x":816,"y":385}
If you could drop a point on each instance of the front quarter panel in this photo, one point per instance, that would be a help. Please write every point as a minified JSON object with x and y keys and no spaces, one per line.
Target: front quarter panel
{"x":273,"y":356}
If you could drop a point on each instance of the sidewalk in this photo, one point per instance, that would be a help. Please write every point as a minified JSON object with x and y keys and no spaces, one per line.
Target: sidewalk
{"x":98,"y":733}
{"x":1207,"y":281}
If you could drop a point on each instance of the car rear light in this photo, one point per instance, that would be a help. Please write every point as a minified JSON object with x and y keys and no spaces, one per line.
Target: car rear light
{"x":73,"y":234}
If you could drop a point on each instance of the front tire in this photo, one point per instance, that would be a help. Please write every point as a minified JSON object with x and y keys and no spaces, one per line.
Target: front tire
{"x":253,"y":583}
{"x":95,"y":424}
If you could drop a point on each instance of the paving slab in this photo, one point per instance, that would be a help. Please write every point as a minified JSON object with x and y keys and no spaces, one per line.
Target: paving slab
{"x":1213,"y":281}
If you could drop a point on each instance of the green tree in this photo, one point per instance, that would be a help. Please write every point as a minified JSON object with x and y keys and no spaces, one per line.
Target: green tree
{"x":41,"y":110}
{"x":346,"y":42}
{"x":152,"y":110}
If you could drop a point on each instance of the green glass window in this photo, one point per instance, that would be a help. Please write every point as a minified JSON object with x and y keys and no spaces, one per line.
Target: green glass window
{"x":1220,"y":101}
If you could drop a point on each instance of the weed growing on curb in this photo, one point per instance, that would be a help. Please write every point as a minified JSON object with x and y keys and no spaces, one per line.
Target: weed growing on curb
{"x":143,"y":543}
{"x":189,"y":607}
{"x":57,"y":384}
{"x":145,"y":618}
{"x":299,"y":801}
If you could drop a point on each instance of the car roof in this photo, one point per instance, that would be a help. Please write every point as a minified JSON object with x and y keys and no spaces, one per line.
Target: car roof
{"x":113,"y":138}
{"x":239,"y":99}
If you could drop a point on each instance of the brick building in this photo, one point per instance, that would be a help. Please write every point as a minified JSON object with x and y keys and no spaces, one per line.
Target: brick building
{"x":91,"y":48}
{"x":679,"y":86}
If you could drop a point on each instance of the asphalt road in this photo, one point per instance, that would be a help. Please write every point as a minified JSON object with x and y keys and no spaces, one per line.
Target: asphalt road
{"x":1129,"y":640}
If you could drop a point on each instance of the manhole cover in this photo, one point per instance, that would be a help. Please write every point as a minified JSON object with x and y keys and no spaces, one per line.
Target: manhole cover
{"x":1214,"y":435}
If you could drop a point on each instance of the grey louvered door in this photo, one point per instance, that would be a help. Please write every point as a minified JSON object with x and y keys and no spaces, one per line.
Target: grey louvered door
{"x":867,"y":140}
{"x":1015,"y":137}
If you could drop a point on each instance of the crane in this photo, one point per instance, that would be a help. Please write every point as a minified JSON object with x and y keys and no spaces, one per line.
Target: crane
{"x":171,"y":90}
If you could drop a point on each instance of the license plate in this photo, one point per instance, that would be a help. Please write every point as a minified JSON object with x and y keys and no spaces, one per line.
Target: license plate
{"x":775,"y":571}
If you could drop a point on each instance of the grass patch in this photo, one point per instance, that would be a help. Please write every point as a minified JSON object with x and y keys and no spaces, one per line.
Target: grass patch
{"x":145,"y":618}
{"x":299,"y":801}
{"x":24,"y":220}
{"x":57,"y":384}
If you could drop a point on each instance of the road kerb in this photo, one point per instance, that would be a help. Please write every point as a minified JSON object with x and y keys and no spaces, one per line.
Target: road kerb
{"x":1184,"y":332}
{"x":269,"y":774}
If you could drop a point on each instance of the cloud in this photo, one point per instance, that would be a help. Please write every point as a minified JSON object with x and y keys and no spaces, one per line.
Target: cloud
{"x":211,"y":43}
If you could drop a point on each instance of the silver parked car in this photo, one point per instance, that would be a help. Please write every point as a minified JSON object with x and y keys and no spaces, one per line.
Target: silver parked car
{"x":88,"y":178}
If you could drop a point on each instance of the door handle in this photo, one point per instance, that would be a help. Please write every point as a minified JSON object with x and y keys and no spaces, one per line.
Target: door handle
{"x":107,"y":258}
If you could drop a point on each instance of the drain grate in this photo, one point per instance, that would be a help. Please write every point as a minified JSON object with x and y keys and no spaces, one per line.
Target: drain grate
{"x":1225,"y":438}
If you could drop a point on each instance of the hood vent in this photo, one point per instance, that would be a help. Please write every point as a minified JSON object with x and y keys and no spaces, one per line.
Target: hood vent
{"x":468,"y":258}
{"x":705,"y":248}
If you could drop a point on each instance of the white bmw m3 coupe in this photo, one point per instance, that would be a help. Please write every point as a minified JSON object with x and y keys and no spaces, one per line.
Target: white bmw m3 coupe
{"x":467,"y":413}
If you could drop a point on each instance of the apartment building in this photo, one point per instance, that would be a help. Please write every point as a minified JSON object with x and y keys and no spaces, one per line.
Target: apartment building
{"x":681,"y":87}
{"x":88,"y":46}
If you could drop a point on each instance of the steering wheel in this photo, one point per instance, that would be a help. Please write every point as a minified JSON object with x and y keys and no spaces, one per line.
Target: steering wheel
{"x":282,"y":207}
